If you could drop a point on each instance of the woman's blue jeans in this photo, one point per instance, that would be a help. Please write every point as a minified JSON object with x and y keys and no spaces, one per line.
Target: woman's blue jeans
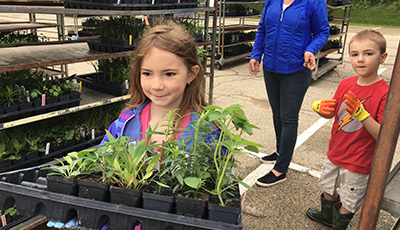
{"x":286,"y":93}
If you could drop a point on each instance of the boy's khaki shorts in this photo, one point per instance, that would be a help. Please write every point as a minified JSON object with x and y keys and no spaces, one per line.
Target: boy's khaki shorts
{"x":353,"y":185}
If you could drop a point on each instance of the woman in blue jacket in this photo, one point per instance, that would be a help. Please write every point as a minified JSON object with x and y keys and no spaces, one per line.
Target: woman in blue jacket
{"x":290,"y":33}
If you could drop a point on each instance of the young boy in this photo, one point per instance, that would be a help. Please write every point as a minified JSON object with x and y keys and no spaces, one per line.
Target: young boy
{"x":358,"y":108}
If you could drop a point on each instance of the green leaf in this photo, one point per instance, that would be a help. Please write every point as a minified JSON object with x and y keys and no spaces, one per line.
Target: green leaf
{"x":116,"y":165}
{"x":193,"y":182}
{"x":251,"y":148}
{"x":246,"y":185}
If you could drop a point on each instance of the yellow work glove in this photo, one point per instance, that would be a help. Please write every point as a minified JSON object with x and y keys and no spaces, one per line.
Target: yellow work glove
{"x":355,"y":107}
{"x":324,"y":106}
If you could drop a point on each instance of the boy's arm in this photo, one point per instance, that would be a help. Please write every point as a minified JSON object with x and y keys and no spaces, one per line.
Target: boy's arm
{"x":325,"y":108}
{"x":372,"y":126}
{"x":356,"y":109}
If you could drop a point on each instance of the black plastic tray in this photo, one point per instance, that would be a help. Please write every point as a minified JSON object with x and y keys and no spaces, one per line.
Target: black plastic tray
{"x":127,"y":7}
{"x":90,"y":213}
{"x":87,"y":81}
{"x":39,"y":110}
{"x":55,"y":154}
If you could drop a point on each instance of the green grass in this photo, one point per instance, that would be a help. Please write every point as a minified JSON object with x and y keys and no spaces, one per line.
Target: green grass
{"x":372,"y":17}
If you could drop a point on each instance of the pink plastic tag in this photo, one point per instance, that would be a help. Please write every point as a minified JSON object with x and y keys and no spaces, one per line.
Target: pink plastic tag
{"x":43,"y":99}
{"x":3,"y":220}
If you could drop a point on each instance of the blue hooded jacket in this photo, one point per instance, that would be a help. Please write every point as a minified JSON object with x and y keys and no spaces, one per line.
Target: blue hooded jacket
{"x":284,"y":37}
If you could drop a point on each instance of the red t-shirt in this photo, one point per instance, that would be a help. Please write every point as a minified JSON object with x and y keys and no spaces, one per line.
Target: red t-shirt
{"x":351,"y":146}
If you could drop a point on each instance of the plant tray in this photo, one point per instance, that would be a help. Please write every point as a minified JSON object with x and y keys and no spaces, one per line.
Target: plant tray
{"x":99,"y":5}
{"x":17,"y":219}
{"x":53,"y":154}
{"x":87,"y":81}
{"x":35,"y":110}
{"x":108,"y":48}
{"x":59,"y":207}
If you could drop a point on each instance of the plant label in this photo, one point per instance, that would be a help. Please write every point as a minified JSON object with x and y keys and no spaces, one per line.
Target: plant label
{"x":28,"y":97}
{"x":130,"y":40}
{"x":43,"y":99}
{"x":3,"y":220}
{"x":47,"y":149}
{"x":126,"y":84}
{"x":92,"y":134}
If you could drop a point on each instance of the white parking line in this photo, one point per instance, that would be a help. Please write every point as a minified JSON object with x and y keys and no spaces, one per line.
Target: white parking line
{"x":263,"y":168}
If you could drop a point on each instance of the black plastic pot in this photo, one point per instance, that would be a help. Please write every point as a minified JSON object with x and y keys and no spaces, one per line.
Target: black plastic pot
{"x":62,"y":185}
{"x":191,"y":207}
{"x":32,"y":155}
{"x":25,"y":106}
{"x":37,"y":102}
{"x":5,"y":163}
{"x":224,"y":214}
{"x":69,"y":143}
{"x":23,"y":157}
{"x":162,"y":202}
{"x":94,"y":190}
{"x":75,"y":95}
{"x":11,"y":109}
{"x":51,"y":100}
{"x":129,"y":197}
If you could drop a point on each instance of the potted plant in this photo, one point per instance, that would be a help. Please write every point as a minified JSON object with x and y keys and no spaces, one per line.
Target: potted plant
{"x":5,"y":158}
{"x":62,"y":178}
{"x":10,"y":98}
{"x":33,"y":149}
{"x":8,"y":213}
{"x":131,"y":172}
{"x":229,"y":118}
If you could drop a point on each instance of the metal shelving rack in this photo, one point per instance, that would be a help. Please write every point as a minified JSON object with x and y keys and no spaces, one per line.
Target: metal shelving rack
{"x":222,"y":28}
{"x":21,"y":57}
{"x":333,"y":62}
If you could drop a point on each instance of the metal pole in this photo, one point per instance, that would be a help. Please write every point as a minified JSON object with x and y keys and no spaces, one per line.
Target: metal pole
{"x":384,"y":151}
{"x":214,"y":25}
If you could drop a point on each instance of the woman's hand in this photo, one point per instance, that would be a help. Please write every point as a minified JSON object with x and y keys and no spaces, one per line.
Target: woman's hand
{"x":309,"y":60}
{"x":254,"y":66}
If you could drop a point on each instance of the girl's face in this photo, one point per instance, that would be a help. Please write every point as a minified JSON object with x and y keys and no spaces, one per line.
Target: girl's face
{"x":163,"y":77}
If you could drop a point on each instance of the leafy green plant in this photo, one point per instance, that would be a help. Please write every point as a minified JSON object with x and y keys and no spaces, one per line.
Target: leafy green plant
{"x":3,"y":153}
{"x":35,"y":94}
{"x":114,"y":69}
{"x":192,"y":25}
{"x":33,"y":145}
{"x":53,"y":90}
{"x":75,"y":166}
{"x":228,"y":119}
{"x":9,"y":211}
{"x":10,"y":96}
{"x":121,"y":27}
{"x":134,"y":168}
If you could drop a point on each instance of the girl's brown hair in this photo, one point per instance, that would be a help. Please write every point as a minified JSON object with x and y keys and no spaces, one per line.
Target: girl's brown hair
{"x":171,"y":38}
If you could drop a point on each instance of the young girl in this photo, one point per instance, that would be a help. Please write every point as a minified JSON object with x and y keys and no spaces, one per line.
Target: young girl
{"x":165,"y":75}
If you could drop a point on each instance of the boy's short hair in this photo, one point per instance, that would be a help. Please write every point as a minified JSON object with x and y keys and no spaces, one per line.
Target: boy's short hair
{"x":372,"y":35}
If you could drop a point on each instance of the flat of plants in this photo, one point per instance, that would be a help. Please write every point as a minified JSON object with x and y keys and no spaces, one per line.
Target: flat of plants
{"x":190,"y":184}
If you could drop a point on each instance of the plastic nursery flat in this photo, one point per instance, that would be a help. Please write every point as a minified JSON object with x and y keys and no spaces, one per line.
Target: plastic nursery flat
{"x":34,"y":200}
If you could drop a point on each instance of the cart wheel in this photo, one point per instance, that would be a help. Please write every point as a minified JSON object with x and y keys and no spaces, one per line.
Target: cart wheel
{"x":219,"y":66}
